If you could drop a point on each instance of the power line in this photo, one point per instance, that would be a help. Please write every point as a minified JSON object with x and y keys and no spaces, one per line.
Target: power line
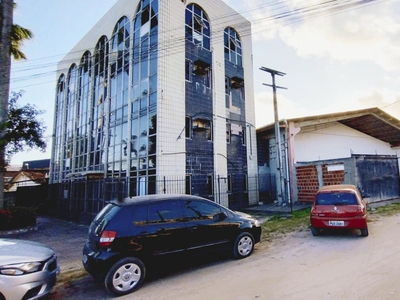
{"x":302,"y":13}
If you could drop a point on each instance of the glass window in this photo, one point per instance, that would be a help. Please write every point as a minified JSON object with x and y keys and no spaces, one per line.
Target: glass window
{"x":140,"y":215}
{"x":210,"y":184}
{"x":232,"y":46}
{"x":153,"y":124}
{"x":228,"y":133}
{"x":199,"y":210}
{"x":153,"y":83}
{"x":229,"y":184}
{"x":197,"y":26}
{"x":152,"y":144}
{"x":188,"y":70}
{"x":153,"y":99}
{"x":188,"y":127}
{"x":336,"y":198}
{"x":163,"y":212}
{"x":188,"y":186}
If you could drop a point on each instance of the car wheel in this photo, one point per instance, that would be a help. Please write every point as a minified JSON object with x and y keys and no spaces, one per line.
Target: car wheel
{"x":315,"y":231}
{"x":125,"y":276}
{"x":364,"y":232}
{"x":244,"y":245}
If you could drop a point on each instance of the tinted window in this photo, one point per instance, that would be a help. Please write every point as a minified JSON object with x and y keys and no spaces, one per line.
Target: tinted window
{"x":200,"y":210}
{"x":107,"y":212}
{"x":338,"y":198}
{"x":140,"y":215}
{"x":163,"y":212}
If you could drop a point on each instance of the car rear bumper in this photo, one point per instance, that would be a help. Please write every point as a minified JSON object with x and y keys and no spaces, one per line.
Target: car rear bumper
{"x":97,"y":262}
{"x":359,"y":222}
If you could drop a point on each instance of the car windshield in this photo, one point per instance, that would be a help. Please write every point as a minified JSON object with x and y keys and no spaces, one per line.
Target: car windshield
{"x":337,"y":198}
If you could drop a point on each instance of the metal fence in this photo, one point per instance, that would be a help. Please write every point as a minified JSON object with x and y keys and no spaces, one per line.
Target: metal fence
{"x":81,"y":199}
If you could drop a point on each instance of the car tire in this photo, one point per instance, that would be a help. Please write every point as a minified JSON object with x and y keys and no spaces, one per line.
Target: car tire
{"x":364,"y":231}
{"x":315,"y":231}
{"x":125,"y":276}
{"x":244,"y":245}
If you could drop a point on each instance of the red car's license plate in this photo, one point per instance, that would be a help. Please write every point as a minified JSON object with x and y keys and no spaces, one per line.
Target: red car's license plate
{"x":336,"y":223}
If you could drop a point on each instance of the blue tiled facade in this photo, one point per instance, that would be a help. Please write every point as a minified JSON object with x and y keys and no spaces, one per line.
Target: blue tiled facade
{"x":115,"y":132}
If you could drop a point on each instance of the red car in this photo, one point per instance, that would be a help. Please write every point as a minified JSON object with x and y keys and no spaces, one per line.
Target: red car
{"x":339,"y":207}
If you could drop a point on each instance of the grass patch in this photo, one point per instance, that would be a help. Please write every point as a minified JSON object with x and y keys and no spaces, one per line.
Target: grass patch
{"x":386,"y":210}
{"x":278,"y":224}
{"x":69,"y":276}
{"x":300,"y":220}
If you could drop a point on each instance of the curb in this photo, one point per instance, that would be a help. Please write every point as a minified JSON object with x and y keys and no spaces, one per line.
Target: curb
{"x":20,"y":230}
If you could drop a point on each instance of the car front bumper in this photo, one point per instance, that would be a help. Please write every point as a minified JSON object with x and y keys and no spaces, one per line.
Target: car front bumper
{"x":29,"y":286}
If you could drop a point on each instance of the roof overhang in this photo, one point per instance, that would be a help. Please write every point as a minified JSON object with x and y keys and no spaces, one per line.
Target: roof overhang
{"x":372,"y":121}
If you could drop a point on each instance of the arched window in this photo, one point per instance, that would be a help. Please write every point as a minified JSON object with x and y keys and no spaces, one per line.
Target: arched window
{"x":197,"y":26}
{"x":100,"y":71}
{"x":83,"y":92}
{"x":83,"y":112}
{"x":119,"y":98}
{"x":143,"y":137}
{"x":70,"y":117}
{"x":233,"y":46}
{"x":57,"y":142}
{"x":71,"y":99}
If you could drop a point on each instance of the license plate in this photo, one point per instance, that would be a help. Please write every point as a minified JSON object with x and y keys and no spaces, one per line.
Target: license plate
{"x":336,"y":223}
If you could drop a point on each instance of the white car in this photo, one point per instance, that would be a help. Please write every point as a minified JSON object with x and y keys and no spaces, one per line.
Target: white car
{"x":28,"y":270}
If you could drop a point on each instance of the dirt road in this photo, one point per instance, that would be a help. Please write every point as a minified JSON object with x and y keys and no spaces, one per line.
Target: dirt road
{"x":296,"y":266}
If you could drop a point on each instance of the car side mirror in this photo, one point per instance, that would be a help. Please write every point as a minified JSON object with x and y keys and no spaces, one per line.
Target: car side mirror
{"x":220,"y":217}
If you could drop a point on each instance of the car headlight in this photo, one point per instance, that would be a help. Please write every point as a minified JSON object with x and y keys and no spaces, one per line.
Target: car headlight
{"x":20,"y":269}
{"x":257,"y":223}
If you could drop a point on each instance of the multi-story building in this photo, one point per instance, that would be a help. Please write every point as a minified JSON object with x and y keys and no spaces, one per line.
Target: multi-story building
{"x":157,"y":98}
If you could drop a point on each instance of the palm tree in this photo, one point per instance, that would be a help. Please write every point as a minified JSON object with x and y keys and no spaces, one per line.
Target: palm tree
{"x":11,"y":39}
{"x":18,"y":35}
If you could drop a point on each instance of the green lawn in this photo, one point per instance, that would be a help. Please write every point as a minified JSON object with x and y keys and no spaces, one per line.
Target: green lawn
{"x":300,"y":220}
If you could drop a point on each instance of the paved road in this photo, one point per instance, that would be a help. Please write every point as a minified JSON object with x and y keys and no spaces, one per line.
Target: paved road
{"x":66,"y":238}
{"x":296,"y":266}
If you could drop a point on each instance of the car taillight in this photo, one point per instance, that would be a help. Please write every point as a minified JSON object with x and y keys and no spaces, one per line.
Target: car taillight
{"x":360,"y":210}
{"x":107,"y":237}
{"x":313,"y":210}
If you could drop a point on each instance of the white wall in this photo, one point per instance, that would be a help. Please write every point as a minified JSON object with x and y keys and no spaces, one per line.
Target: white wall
{"x":336,"y":141}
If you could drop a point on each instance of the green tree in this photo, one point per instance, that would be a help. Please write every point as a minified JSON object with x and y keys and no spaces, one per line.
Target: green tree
{"x":23,"y":130}
{"x":11,"y":40}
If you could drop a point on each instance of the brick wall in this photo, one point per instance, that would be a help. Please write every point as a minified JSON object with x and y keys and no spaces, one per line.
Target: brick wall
{"x":332,"y":177}
{"x":307,"y":182}
{"x":308,"y":179}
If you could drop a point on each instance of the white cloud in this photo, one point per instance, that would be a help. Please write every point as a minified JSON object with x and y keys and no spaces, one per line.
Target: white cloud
{"x":385,"y":99}
{"x":351,"y":36}
{"x":362,"y":33}
{"x":265,"y":108}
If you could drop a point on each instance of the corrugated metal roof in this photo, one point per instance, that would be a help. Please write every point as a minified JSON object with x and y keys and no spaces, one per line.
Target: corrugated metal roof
{"x":371,"y":121}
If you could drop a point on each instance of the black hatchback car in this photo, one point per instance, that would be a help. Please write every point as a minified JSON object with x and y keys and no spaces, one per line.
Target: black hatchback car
{"x":126,"y":234}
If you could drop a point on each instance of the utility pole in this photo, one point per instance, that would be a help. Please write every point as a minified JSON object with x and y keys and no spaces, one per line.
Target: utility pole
{"x":6,"y":21}
{"x":281,"y":194}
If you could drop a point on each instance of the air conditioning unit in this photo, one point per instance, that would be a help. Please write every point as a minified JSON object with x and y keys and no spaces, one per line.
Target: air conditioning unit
{"x":200,"y":67}
{"x":237,"y":83}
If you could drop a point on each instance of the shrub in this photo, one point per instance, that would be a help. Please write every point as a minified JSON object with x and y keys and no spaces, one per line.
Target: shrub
{"x":5,"y":218}
{"x":17,"y":217}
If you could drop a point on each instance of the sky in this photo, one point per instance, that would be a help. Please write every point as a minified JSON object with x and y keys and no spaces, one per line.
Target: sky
{"x":334,"y":60}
